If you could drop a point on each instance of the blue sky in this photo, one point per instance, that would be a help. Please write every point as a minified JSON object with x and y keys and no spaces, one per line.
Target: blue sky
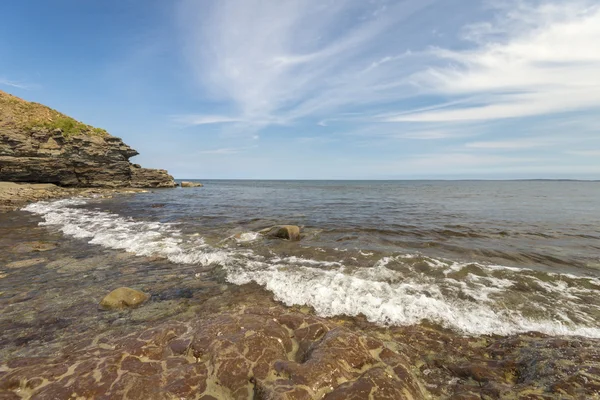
{"x":329,"y":89}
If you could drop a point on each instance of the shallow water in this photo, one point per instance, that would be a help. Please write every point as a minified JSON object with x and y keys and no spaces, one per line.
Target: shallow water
{"x":475,"y":257}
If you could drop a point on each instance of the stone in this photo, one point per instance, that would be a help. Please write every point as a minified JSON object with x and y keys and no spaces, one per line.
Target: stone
{"x":32,"y":150}
{"x":25,"y":263}
{"x":37,"y":246}
{"x":289,"y":232}
{"x":123,"y":297}
{"x":190,"y":184}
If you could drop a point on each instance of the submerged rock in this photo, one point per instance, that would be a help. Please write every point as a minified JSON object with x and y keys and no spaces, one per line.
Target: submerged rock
{"x":123,"y":298}
{"x":190,"y":184}
{"x":37,"y":246}
{"x":289,"y":232}
{"x":25,"y":263}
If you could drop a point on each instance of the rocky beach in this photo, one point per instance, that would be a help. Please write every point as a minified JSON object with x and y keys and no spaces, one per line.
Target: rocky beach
{"x":106,"y":293}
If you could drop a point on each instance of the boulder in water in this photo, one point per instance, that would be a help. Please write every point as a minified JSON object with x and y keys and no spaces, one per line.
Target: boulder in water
{"x":289,"y":232}
{"x":123,"y":297}
{"x":191,"y":184}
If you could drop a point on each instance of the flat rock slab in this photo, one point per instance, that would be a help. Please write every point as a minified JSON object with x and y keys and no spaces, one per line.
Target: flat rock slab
{"x":261,"y":353}
{"x":25,"y":263}
{"x":275,"y":353}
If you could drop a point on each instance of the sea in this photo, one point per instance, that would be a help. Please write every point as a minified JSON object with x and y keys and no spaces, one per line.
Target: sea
{"x":475,"y":257}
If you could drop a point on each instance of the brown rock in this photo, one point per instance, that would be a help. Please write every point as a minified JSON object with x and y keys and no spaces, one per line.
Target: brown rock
{"x":190,"y":184}
{"x":289,"y":232}
{"x":37,"y":246}
{"x":25,"y":263}
{"x":123,"y":298}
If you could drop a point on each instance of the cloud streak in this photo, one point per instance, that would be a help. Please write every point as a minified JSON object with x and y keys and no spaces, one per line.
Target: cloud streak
{"x":14,"y":84}
{"x":278,"y":62}
{"x":531,"y":61}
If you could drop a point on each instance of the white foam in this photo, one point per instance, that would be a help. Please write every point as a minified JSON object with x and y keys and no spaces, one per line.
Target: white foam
{"x":138,"y":237}
{"x":391,"y":292}
{"x":248,"y":237}
{"x":404,"y":303}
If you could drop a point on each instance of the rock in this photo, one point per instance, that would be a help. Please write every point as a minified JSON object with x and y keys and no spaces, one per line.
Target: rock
{"x":254,"y":354}
{"x":289,"y":232}
{"x":15,"y":195}
{"x":37,"y":246}
{"x":190,"y":184}
{"x":25,"y":263}
{"x":38,"y":144}
{"x":123,"y":298}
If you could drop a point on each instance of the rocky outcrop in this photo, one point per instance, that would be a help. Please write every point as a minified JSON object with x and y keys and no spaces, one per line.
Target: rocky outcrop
{"x":38,"y":144}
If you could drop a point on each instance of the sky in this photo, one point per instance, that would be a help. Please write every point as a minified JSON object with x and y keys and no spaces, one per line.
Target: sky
{"x":322,"y":89}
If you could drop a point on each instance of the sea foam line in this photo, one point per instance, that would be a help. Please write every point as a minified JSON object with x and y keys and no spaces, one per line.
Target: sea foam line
{"x":384,"y":296}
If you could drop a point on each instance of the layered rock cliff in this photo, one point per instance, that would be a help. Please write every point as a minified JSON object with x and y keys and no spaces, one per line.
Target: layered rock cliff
{"x":39,"y":144}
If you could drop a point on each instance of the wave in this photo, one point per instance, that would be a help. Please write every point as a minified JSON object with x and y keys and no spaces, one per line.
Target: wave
{"x":404,"y":289}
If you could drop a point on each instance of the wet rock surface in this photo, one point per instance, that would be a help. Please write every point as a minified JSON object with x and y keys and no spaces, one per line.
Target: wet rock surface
{"x":254,"y":353}
{"x":277,"y":353}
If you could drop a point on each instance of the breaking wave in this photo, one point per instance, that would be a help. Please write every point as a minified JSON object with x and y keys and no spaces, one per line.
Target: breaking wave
{"x":404,"y":289}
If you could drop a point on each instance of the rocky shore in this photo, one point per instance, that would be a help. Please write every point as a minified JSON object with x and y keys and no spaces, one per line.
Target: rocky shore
{"x":65,"y":332}
{"x":16,"y":195}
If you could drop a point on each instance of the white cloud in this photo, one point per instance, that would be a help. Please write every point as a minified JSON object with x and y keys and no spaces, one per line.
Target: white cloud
{"x":203,"y":119}
{"x":466,"y":160}
{"x":531,"y":61}
{"x":227,"y":150}
{"x":510,"y":144}
{"x":585,"y":153}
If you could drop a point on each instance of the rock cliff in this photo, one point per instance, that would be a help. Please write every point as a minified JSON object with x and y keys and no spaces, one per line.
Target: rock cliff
{"x":39,"y":144}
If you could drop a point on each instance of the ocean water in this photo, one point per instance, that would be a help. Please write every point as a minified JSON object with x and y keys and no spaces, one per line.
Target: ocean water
{"x":477,"y":257}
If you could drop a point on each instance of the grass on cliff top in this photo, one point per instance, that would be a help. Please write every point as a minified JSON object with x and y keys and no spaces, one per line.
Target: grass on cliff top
{"x":28,"y":115}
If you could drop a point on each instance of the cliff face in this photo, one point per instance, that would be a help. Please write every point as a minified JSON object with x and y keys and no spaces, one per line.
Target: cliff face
{"x":38,"y":144}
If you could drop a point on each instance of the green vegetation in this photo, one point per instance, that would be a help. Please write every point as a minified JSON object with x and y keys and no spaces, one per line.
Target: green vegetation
{"x":28,"y":115}
{"x":68,"y":126}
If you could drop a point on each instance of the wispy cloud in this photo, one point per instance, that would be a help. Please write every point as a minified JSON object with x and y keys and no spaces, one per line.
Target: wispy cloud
{"x":227,"y":150}
{"x":585,"y":153}
{"x":281,"y":61}
{"x":533,"y":60}
{"x":510,"y":144}
{"x":202,"y":119}
{"x":16,"y":84}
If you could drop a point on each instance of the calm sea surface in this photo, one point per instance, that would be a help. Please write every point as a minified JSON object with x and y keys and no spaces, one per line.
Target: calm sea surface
{"x":473,"y":256}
